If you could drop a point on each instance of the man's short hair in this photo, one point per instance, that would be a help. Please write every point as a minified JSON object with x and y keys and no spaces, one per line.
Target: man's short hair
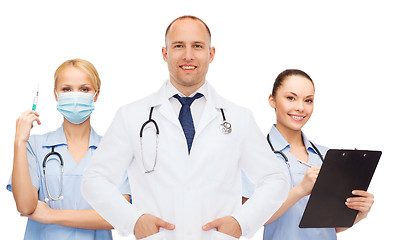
{"x":187,"y":17}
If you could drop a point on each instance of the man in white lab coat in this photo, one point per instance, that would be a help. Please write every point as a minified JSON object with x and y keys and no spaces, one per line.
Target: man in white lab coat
{"x":186,"y":180}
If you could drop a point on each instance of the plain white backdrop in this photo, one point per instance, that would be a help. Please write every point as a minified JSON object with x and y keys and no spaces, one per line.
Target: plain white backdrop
{"x":347,"y":47}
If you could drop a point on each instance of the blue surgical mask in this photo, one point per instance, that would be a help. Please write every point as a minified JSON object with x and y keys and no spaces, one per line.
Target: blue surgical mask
{"x":76,"y":107}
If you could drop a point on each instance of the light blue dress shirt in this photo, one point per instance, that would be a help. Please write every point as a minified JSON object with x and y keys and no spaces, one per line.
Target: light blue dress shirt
{"x":286,"y":227}
{"x":37,"y":147}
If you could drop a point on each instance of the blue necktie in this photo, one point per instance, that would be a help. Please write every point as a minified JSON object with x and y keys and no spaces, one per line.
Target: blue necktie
{"x":185,"y":117}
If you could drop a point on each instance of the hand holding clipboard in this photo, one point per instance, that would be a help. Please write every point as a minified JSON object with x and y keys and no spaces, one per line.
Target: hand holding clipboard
{"x":342,"y":172}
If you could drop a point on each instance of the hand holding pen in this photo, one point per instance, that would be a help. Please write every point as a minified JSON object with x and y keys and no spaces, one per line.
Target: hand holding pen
{"x":305,"y":187}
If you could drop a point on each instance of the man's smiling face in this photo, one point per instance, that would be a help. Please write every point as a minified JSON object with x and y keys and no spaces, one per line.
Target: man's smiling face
{"x":188,"y":53}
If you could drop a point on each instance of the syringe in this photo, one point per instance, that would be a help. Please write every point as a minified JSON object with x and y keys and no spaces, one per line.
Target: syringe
{"x":35,"y":100}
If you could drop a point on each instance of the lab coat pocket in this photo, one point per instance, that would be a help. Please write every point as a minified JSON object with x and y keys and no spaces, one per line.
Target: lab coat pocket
{"x":156,"y":236}
{"x":221,"y":236}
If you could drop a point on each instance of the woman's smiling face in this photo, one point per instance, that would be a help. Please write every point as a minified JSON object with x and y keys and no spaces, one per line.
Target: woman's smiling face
{"x":293,"y":102}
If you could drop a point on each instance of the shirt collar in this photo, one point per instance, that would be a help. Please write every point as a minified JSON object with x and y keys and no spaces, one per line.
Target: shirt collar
{"x":94,"y":138}
{"x":279,"y":143}
{"x":171,"y":90}
{"x":55,"y":138}
{"x":212,"y":97}
{"x":308,"y":144}
{"x":58,"y":137}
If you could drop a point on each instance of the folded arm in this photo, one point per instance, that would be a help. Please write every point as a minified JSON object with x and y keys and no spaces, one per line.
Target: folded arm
{"x":86,"y":219}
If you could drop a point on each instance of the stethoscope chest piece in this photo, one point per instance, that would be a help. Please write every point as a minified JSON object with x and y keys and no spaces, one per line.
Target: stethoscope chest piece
{"x":225,"y":127}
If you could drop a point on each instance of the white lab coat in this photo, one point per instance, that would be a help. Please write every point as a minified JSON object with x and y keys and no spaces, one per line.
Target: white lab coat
{"x":185,"y":190}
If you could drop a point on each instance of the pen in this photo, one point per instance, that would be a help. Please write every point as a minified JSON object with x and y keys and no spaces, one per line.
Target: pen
{"x":306,"y":164}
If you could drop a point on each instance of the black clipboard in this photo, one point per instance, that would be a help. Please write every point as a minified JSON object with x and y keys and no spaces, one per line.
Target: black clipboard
{"x":341,"y":172}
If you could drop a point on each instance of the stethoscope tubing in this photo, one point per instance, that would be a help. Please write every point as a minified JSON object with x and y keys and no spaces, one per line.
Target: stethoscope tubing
{"x":225,"y":127}
{"x":50,"y":197}
{"x":150,"y":120}
{"x":286,"y":158}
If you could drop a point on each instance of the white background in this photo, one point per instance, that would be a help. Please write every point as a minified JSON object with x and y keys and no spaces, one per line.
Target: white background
{"x":347,"y":47}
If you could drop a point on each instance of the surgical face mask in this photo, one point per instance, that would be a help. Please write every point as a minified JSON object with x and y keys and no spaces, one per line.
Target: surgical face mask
{"x":76,"y":107}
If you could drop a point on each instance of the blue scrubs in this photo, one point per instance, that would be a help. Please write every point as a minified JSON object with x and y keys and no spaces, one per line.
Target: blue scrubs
{"x":37,"y":147}
{"x":286,"y":227}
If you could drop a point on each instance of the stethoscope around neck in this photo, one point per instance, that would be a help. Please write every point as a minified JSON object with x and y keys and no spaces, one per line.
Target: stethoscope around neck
{"x":286,"y":158}
{"x":59,"y":196}
{"x":225,"y":127}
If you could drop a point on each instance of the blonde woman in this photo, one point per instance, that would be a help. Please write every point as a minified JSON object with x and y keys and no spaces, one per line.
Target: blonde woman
{"x":46,"y":189}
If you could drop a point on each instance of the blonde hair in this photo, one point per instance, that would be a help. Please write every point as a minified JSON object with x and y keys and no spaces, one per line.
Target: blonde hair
{"x":83,"y":65}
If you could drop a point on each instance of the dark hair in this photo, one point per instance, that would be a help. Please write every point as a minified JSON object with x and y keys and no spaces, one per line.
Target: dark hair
{"x":287,"y":73}
{"x":187,"y":17}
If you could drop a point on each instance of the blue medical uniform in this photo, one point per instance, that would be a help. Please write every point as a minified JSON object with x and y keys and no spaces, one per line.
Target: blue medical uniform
{"x":37,"y":147}
{"x":286,"y":227}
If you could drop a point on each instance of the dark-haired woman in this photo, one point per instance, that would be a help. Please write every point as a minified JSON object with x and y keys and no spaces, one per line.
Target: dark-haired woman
{"x":293,"y":101}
